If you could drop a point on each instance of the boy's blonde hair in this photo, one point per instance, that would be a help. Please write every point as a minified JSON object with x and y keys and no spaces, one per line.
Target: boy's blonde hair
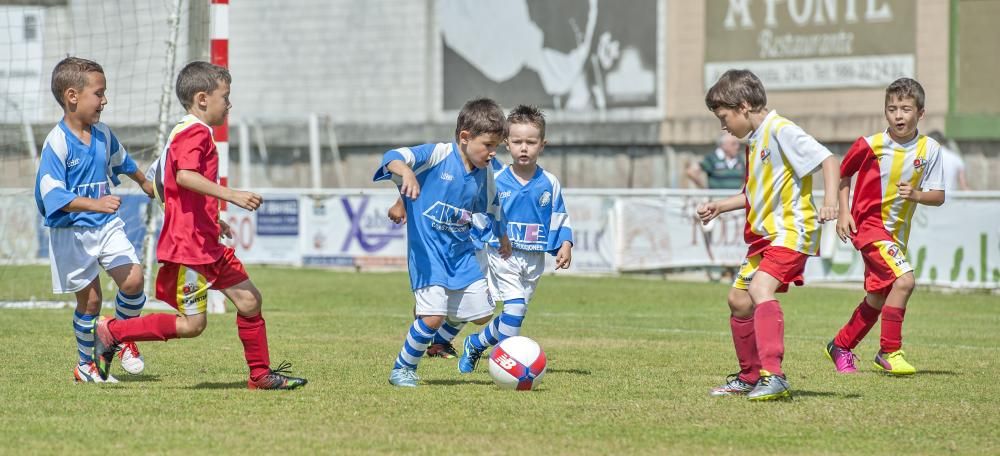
{"x":906,"y":87}
{"x":199,"y":77}
{"x":481,"y":116}
{"x":528,"y":114}
{"x":71,"y":73}
{"x":734,"y":88}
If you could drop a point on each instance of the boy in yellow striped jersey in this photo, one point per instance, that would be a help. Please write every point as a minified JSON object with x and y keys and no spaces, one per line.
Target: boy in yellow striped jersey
{"x":782,"y":227}
{"x":892,"y":167}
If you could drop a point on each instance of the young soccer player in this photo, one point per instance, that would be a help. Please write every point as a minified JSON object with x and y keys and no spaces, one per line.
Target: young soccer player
{"x":892,"y":167}
{"x":537,"y":223}
{"x":80,"y":160}
{"x":782,"y":227}
{"x":192,"y":258}
{"x":445,"y":187}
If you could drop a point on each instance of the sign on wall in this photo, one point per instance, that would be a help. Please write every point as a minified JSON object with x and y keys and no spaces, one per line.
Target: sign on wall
{"x":582,"y":56}
{"x":811,"y":44}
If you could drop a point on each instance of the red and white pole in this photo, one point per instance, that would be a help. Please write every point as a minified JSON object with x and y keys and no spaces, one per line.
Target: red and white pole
{"x":219,"y":34}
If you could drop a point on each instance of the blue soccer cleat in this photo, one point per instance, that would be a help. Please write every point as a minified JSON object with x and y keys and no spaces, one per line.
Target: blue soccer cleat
{"x":470,"y":356}
{"x":404,"y":376}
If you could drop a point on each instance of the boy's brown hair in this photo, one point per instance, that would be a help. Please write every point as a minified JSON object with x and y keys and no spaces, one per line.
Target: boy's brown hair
{"x":199,"y":77}
{"x":71,"y":73}
{"x":734,"y":88}
{"x":528,"y":114}
{"x":906,"y":87}
{"x":481,"y":116}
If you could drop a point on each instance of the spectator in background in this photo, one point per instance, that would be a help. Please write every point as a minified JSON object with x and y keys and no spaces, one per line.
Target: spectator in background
{"x":954,"y":166}
{"x":725,"y":168}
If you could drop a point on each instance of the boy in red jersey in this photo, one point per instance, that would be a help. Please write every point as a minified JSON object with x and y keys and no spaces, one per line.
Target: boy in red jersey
{"x":193,"y":259}
{"x":782,"y":228}
{"x":892,"y":167}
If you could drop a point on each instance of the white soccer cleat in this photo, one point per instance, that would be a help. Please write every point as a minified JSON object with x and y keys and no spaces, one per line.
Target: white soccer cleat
{"x":87,"y":373}
{"x":131,"y":359}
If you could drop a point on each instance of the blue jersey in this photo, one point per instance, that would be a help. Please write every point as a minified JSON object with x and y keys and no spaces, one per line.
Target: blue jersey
{"x":536,"y":216}
{"x":441,"y":249}
{"x":68,"y":168}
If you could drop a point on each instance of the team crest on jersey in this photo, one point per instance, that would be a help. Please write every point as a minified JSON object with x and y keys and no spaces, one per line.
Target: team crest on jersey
{"x":545,"y":199}
{"x":919,"y":163}
{"x":765,"y":154}
{"x":893,"y":251}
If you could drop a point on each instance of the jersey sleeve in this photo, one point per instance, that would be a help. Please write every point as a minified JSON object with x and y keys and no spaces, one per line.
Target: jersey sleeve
{"x":51,"y":182}
{"x":933,"y":178}
{"x":801,"y":150}
{"x":189,"y":148}
{"x":121,"y":162}
{"x":854,"y":158}
{"x":417,"y":158}
{"x":560,"y":230}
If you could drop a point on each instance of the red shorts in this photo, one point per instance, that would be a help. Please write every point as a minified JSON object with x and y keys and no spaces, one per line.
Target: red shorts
{"x":782,"y":263}
{"x":185,"y":287}
{"x":884,"y":263}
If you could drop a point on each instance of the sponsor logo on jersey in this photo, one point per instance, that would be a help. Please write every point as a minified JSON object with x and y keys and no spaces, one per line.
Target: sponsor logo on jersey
{"x":530,"y":233}
{"x":447,"y":176}
{"x":545,"y":199}
{"x":504,"y":194}
{"x":446,"y":217}
{"x":73,"y":162}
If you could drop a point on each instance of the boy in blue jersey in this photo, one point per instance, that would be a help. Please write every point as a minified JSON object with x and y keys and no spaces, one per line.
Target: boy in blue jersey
{"x":443,"y":185}
{"x":80,"y":160}
{"x":537,"y":223}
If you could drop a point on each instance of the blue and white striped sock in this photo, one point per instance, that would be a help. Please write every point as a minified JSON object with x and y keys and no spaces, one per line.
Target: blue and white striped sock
{"x":507,"y":324}
{"x":447,"y":332}
{"x":417,"y":340}
{"x":83,"y":330}
{"x":128,"y":306}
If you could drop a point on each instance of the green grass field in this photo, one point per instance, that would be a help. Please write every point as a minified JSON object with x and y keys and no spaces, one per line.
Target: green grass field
{"x":630,"y":365}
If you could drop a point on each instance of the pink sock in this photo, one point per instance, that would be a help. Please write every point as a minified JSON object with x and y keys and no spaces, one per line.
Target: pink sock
{"x":253,"y":334}
{"x":769,"y":328}
{"x":157,"y":326}
{"x":746,"y":348}
{"x":857,"y":327}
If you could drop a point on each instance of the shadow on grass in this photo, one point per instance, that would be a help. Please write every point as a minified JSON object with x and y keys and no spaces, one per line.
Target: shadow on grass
{"x":219,"y":385}
{"x":568,"y":371}
{"x":938,"y":372}
{"x":128,"y":378}
{"x":451,"y":382}
{"x":807,"y":393}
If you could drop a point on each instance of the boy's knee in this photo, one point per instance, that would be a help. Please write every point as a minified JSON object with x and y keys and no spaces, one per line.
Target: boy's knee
{"x":483,"y":320}
{"x":132,"y":285}
{"x":191,"y":326}
{"x":905,"y":282}
{"x":740,"y":304}
{"x":433,"y":321}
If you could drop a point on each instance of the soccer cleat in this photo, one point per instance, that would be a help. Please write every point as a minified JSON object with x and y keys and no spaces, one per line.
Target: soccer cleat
{"x":130,"y":358}
{"x":404,"y":376}
{"x":105,"y":347}
{"x":445,"y":350}
{"x":277,"y":380}
{"x":734,"y":386}
{"x":470,"y":356}
{"x":87,"y":373}
{"x":770,"y":387}
{"x":843,"y":359}
{"x":894,"y":363}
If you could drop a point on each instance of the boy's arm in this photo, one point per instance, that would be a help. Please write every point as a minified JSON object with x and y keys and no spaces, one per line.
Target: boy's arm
{"x":52,"y":189}
{"x":846,"y":227}
{"x":831,"y":181}
{"x":145,"y":184}
{"x":194,"y":181}
{"x":712,"y":209}
{"x":925,"y":197}
{"x":397,"y":213}
{"x":409,"y":187}
{"x":565,"y":255}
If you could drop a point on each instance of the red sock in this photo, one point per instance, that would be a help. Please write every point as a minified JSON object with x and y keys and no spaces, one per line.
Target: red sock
{"x":857,"y":327}
{"x":157,"y":326}
{"x":746,"y":348}
{"x":769,"y":328}
{"x":253,"y":334}
{"x":892,"y":328}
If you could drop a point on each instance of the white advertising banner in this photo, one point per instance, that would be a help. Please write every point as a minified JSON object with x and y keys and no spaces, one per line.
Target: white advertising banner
{"x":270,"y":234}
{"x":352,"y":230}
{"x":592,"y":219}
{"x":19,"y":228}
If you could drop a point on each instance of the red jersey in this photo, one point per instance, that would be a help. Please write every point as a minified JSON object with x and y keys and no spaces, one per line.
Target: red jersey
{"x":190,"y":233}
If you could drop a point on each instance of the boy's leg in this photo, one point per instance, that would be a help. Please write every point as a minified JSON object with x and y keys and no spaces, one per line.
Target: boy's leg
{"x":741,"y":324}
{"x":890,"y":358}
{"x":431,"y":309}
{"x":88,"y":309}
{"x":129,"y":302}
{"x":441,"y":345}
{"x":474,"y":304}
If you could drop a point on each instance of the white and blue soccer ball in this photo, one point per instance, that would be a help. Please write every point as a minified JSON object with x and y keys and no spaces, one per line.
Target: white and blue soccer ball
{"x":517,"y":363}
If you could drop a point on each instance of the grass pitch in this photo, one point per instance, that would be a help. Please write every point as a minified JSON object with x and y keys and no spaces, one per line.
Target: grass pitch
{"x":630,"y":365}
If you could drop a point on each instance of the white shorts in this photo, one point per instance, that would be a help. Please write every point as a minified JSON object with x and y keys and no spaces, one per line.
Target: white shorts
{"x":75,"y":253}
{"x":471,"y":303}
{"x":517,"y":276}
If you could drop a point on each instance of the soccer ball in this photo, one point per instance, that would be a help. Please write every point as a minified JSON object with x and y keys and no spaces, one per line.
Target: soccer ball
{"x":517,"y":363}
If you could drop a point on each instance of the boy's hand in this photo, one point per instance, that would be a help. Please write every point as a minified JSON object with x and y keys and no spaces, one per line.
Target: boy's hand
{"x":147,"y":188}
{"x":410,"y":187}
{"x":397,"y":213}
{"x":907,"y":192}
{"x":828,"y":212}
{"x":565,"y":256}
{"x":846,"y":228}
{"x":225,"y":231}
{"x":708,"y":211}
{"x":247,"y":200}
{"x":505,"y":247}
{"x":108,"y":204}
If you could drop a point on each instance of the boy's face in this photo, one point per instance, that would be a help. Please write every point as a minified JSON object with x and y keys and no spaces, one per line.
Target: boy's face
{"x":215,"y":104}
{"x":86,"y":104}
{"x":735,"y":121}
{"x":902,"y":115}
{"x":479,"y":150}
{"x":525,"y":143}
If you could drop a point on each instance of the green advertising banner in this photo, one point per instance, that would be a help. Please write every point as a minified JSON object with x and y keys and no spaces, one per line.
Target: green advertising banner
{"x":811,"y":44}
